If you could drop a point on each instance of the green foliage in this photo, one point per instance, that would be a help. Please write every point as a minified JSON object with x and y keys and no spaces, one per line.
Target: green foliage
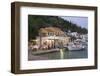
{"x":35,"y":22}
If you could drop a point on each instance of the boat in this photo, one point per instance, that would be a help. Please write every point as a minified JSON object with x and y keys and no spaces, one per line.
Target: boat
{"x":75,"y":46}
{"x":82,"y":42}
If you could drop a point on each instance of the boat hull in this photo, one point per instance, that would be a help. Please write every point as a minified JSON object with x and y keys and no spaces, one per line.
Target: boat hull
{"x":74,"y":48}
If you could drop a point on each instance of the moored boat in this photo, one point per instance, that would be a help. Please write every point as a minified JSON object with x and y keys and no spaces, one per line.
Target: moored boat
{"x":75,"y":46}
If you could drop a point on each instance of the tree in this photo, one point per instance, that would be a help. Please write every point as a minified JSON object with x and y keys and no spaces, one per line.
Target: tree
{"x":35,"y":22}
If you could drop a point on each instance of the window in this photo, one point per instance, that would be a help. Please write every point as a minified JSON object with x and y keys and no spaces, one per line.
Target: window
{"x":50,"y":33}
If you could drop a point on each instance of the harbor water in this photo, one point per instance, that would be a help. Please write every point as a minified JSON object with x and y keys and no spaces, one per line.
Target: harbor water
{"x":62,"y":54}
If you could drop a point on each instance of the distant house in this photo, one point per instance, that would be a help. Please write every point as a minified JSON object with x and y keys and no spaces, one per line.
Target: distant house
{"x":84,"y":37}
{"x":52,"y":37}
{"x":74,"y":34}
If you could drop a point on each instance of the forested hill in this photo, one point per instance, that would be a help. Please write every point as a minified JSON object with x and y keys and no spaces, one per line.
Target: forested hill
{"x":35,"y":22}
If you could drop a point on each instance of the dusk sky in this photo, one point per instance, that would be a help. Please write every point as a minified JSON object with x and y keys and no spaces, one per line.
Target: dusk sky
{"x":80,"y":21}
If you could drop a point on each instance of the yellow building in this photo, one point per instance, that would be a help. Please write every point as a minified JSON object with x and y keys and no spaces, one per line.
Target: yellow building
{"x":52,"y":37}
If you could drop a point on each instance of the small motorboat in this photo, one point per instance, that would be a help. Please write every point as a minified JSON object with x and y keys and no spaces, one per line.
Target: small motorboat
{"x":75,"y":46}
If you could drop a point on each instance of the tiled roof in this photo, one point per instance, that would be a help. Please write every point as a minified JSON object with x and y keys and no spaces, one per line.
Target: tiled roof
{"x":51,"y":29}
{"x":55,"y":30}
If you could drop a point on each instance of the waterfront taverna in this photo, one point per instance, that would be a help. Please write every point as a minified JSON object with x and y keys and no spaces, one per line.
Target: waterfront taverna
{"x":51,"y":37}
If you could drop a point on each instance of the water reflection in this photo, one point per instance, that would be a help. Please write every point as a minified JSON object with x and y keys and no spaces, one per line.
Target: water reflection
{"x":64,"y":54}
{"x":61,"y":53}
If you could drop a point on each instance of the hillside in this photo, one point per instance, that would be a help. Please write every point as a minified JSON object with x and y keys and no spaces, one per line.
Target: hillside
{"x":35,"y":22}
